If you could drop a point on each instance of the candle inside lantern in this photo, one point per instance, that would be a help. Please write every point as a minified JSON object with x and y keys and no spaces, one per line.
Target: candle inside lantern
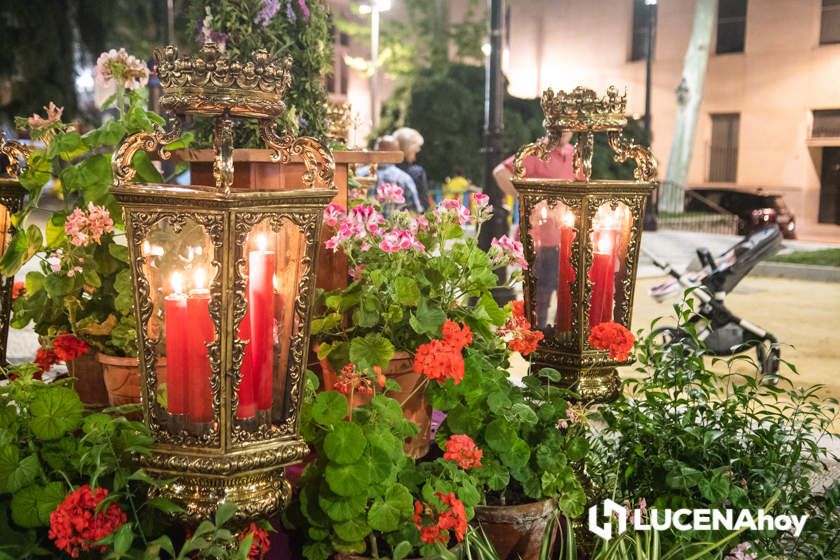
{"x":565,"y":273}
{"x":199,"y":333}
{"x":602,"y":273}
{"x":261,"y":312}
{"x":176,"y":316}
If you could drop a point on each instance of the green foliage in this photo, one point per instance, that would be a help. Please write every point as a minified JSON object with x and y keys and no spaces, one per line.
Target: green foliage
{"x":698,"y":439}
{"x":306,"y":39}
{"x":84,"y":289}
{"x":820,"y":257}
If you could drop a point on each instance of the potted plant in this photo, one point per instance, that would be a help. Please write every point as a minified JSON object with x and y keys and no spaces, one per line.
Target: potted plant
{"x":362,"y":496}
{"x":532,"y":437}
{"x":83,"y":286}
{"x":411,"y":274}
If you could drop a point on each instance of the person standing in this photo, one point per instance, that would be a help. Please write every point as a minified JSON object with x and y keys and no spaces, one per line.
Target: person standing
{"x":388,"y":173}
{"x":411,"y":142}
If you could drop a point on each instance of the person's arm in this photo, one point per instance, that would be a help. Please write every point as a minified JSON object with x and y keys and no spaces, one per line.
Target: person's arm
{"x":412,"y":188}
{"x":503,"y":177}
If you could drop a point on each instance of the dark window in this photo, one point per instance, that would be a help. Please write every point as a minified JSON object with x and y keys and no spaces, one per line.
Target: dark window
{"x":343,"y":39}
{"x":723,"y":151}
{"x":644,"y":27}
{"x":826,"y":123}
{"x":731,"y":26}
{"x":343,"y":79}
{"x":830,"y":22}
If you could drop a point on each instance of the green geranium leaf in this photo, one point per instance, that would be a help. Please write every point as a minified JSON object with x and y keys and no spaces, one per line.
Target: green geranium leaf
{"x":490,"y":309}
{"x":345,"y":444}
{"x":55,"y":412}
{"x":551,"y":374}
{"x":341,"y":508}
{"x":371,"y":350}
{"x":387,"y":513}
{"x":381,"y":465}
{"x":146,"y":172}
{"x":517,"y":455}
{"x":329,"y":408}
{"x":55,"y":230}
{"x":34,"y":282}
{"x":108,"y":134}
{"x":402,"y":550}
{"x":25,"y":474}
{"x":577,"y":448}
{"x":572,"y":502}
{"x":406,"y":290}
{"x":91,"y":177}
{"x":58,"y":284}
{"x":499,"y":435}
{"x":9,"y":461}
{"x":31,"y":507}
{"x":354,"y":530}
{"x":428,"y":319}
{"x":64,"y":144}
{"x":348,"y":480}
{"x":525,"y":414}
{"x":498,"y":400}
{"x":119,"y":252}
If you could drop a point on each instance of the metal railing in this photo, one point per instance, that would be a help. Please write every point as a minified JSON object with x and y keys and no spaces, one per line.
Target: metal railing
{"x":713,"y":219}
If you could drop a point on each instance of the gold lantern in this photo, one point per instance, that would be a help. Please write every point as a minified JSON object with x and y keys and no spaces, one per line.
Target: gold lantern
{"x":223,"y":280}
{"x":581,"y":239}
{"x":11,"y":200}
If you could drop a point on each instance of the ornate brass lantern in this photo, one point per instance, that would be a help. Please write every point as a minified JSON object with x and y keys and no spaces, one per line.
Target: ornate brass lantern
{"x":581,"y":239}
{"x":11,"y":200}
{"x":224,"y":281}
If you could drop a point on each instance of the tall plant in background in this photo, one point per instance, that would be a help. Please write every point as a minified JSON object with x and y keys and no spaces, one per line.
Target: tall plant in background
{"x":82,"y":285}
{"x":295,"y":28}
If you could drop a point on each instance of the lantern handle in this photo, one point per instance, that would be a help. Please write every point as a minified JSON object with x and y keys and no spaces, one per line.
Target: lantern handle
{"x":317,"y":157}
{"x":17,"y":154}
{"x":624,"y":149}
{"x":154,"y":141}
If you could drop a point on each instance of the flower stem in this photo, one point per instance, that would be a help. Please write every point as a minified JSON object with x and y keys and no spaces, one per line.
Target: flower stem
{"x":421,"y":385}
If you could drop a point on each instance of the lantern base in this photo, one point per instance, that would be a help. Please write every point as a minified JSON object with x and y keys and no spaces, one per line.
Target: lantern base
{"x":255,"y":495}
{"x":596,"y":380}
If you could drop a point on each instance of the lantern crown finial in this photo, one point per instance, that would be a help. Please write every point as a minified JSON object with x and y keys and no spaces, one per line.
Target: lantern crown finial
{"x":582,"y":110}
{"x":210,"y":84}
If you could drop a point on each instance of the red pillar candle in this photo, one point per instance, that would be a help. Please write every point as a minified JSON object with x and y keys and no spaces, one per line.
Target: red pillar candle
{"x":199,"y":334}
{"x":602,"y":275}
{"x":175,"y":309}
{"x":565,"y":274}
{"x":261,"y":311}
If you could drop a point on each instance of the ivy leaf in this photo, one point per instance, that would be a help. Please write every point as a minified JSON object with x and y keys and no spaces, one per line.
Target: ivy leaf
{"x":428,"y":319}
{"x":330,"y":407}
{"x":406,"y":290}
{"x":348,"y":480}
{"x":371,"y":350}
{"x":31,"y":507}
{"x":387,"y":513}
{"x":55,"y":412}
{"x":345,"y":444}
{"x":354,"y":530}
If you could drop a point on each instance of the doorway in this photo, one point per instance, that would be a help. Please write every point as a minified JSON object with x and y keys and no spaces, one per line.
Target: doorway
{"x":830,"y":187}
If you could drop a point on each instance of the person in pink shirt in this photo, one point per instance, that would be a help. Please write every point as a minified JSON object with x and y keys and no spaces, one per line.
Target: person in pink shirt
{"x":544,"y":226}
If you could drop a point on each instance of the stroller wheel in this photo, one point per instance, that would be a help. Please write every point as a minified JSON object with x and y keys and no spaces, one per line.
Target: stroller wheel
{"x":768,"y":359}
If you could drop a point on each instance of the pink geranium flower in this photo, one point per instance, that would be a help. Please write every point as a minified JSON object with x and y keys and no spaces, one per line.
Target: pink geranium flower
{"x":333,"y":214}
{"x":88,"y":227}
{"x":506,"y":249}
{"x":452,"y":208}
{"x":390,"y":193}
{"x":120,"y":67}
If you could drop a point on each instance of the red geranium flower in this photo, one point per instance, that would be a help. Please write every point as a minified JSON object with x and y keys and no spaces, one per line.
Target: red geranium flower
{"x":441,"y":359}
{"x":68,"y":347}
{"x":457,"y":336}
{"x":462,"y":449}
{"x":613,"y":337}
{"x":18,"y":289}
{"x":352,"y":379}
{"x":75,"y":525}
{"x":453,"y":518}
{"x":45,"y":359}
{"x":260,"y":544}
{"x":517,"y":331}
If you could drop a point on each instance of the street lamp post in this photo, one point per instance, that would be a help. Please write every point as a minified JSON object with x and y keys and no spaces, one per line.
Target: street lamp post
{"x":375,"y":8}
{"x":651,"y":211}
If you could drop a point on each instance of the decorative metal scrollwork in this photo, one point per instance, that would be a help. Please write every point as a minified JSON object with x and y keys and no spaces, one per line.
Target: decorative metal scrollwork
{"x":318,"y":159}
{"x":624,"y":149}
{"x":154,"y":141}
{"x":17,"y":154}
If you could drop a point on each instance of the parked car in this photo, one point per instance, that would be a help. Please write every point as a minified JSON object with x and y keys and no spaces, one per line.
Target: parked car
{"x":755,"y":210}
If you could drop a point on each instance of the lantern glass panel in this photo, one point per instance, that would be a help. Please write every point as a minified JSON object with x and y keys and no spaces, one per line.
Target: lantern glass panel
{"x":178,"y":264}
{"x":272,"y":265}
{"x":609,"y":237}
{"x":5,"y":228}
{"x":552,"y":231}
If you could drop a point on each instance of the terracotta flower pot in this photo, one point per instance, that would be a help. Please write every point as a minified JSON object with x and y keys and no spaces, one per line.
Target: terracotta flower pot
{"x":417,"y":409}
{"x":517,"y":531}
{"x":456,"y":550}
{"x":122,"y":378}
{"x":90,"y":384}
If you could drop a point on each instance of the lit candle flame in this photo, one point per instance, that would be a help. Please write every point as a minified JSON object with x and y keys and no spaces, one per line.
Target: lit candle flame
{"x":199,"y":250}
{"x":569,"y":219}
{"x":544,"y":213}
{"x":199,"y":278}
{"x":147,"y":247}
{"x":604,"y":244}
{"x":275,"y":282}
{"x":261,"y":242}
{"x":177,"y":283}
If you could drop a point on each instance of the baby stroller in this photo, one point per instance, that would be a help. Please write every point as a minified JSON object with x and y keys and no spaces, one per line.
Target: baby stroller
{"x":722,"y":332}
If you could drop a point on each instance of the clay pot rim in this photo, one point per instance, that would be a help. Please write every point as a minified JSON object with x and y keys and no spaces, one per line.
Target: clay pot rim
{"x":522,"y":512}
{"x":116,"y":360}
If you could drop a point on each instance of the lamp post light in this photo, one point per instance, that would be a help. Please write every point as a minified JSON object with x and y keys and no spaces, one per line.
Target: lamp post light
{"x":11,"y":200}
{"x":223,"y":278}
{"x":651,"y":211}
{"x":374,"y":8}
{"x":582,"y":239}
